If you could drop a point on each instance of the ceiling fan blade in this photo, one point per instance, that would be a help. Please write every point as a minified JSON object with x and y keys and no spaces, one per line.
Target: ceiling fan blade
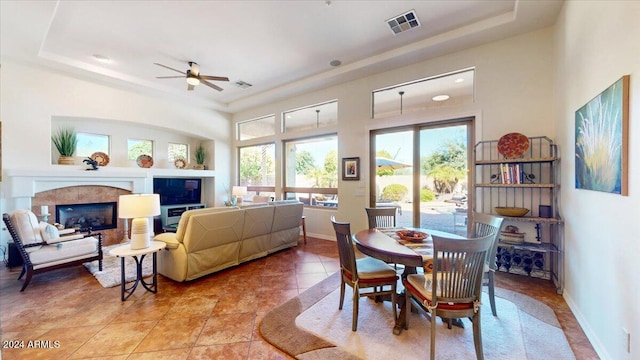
{"x":170,"y":77}
{"x":190,"y":87}
{"x":211,"y":85}
{"x":170,"y":68}
{"x":217,"y":78}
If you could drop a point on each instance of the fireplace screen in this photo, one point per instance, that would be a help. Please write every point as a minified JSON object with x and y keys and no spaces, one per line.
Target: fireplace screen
{"x":97,"y":216}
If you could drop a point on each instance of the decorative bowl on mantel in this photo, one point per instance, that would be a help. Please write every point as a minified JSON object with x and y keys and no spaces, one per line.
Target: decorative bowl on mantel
{"x":511,"y":211}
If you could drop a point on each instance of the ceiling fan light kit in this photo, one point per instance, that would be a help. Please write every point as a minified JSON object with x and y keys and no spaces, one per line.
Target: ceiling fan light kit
{"x":192,"y":80}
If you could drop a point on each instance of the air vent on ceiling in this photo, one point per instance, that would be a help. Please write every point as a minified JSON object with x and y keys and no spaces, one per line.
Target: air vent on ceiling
{"x":404,"y":22}
{"x":242,"y":84}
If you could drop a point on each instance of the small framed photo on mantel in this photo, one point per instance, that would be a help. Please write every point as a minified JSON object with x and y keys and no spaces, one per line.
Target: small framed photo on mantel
{"x":351,"y":168}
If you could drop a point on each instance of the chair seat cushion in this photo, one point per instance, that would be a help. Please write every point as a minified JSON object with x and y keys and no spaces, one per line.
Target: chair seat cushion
{"x":370,"y":268}
{"x":64,"y":250}
{"x":415,"y":283}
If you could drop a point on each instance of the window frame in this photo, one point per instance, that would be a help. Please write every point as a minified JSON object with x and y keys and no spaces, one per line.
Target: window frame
{"x":287,"y":190}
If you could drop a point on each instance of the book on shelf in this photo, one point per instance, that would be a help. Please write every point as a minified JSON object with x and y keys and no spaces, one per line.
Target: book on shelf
{"x":511,"y":173}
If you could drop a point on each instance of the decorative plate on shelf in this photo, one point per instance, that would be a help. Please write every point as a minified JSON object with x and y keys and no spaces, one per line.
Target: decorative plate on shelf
{"x":144,"y":161}
{"x":101,"y":158}
{"x":513,"y":145}
{"x":412,"y":235}
{"x":180,"y":163}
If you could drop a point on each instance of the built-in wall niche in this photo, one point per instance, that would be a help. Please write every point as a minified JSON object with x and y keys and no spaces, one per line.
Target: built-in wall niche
{"x":118,"y":132}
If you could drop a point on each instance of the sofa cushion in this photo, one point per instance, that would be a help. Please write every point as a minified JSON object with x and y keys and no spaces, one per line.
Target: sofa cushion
{"x":184,"y":218}
{"x":27,"y":227}
{"x":255,"y":234}
{"x":206,"y":231}
{"x":64,"y":250}
{"x":287,"y":215}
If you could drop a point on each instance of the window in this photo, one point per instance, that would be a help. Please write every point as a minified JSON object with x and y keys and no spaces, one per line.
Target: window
{"x":311,"y":117}
{"x":443,"y":90}
{"x":91,"y":143}
{"x":250,"y":129}
{"x":177,"y":151}
{"x":258,"y":169}
{"x":311,"y":170}
{"x":137,"y":147}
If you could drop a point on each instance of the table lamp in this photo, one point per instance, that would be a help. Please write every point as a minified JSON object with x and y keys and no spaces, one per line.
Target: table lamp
{"x":139,"y":207}
{"x":239,"y":192}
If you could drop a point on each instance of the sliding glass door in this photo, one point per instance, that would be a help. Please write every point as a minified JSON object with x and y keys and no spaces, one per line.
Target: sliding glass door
{"x":423,"y":170}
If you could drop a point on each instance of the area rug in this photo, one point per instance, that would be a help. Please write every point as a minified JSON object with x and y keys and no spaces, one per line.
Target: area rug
{"x":111,"y":274}
{"x":310,"y":326}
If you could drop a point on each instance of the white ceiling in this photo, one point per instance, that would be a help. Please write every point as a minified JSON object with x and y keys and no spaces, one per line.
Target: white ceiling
{"x":280,"y":47}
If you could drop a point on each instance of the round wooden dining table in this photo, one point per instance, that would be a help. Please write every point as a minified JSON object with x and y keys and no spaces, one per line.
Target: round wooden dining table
{"x":381,"y":244}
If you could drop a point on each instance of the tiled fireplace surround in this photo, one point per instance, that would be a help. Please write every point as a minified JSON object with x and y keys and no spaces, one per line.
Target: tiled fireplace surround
{"x":32,"y":189}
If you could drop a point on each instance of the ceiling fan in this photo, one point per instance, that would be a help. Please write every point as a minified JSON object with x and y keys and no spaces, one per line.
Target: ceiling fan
{"x":193,"y":76}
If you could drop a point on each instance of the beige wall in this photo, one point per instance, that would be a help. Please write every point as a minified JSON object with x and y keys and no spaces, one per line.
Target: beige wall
{"x":513,"y":82}
{"x":596,"y":43}
{"x":33,"y":96}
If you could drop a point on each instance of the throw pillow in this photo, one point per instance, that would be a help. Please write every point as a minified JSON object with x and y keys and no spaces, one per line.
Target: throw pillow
{"x":49,"y":232}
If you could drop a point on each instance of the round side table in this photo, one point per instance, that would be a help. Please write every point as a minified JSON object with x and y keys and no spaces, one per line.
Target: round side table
{"x":138,"y":255}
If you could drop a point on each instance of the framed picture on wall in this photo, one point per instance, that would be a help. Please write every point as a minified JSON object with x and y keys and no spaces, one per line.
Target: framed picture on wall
{"x":351,"y":168}
{"x":602,"y":140}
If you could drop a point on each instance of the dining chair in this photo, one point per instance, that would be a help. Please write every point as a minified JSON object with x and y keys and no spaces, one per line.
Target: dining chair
{"x":363,"y":273}
{"x":486,"y":224}
{"x":381,"y":217}
{"x":454,"y":287}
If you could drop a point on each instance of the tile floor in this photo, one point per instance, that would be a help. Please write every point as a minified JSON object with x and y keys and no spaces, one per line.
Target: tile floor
{"x":214,"y":317}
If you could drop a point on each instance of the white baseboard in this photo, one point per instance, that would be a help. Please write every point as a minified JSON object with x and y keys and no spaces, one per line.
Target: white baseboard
{"x":584,"y":324}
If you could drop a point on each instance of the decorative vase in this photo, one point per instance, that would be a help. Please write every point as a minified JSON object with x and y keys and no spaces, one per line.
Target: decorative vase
{"x":66,"y":160}
{"x":198,"y":166}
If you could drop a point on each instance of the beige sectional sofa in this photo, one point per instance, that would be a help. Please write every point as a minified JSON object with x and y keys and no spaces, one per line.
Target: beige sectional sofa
{"x":209,"y":240}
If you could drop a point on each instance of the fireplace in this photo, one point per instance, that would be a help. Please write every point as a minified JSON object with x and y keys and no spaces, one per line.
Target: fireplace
{"x":94,"y":216}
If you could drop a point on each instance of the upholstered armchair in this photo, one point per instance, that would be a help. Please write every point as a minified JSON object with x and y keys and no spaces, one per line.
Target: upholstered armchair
{"x":43,"y":247}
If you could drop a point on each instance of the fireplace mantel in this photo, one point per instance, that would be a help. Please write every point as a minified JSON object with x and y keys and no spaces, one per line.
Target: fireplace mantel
{"x":25,"y":183}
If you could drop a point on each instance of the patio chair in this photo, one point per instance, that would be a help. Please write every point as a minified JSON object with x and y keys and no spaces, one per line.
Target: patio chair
{"x":362,"y":273}
{"x":454,"y":288}
{"x":43,"y":249}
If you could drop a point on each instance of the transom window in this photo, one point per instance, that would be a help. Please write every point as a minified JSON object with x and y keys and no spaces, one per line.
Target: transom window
{"x":311,"y":117}
{"x":450,"y":89}
{"x":255,"y":128}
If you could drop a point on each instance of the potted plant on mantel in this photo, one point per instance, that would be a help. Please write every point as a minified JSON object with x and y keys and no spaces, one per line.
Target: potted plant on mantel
{"x":200,"y":156}
{"x":66,"y":141}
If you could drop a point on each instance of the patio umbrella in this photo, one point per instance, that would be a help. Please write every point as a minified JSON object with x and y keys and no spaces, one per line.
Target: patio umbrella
{"x":390,"y":164}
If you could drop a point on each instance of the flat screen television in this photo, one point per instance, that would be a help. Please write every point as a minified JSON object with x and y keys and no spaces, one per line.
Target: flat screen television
{"x":177,"y":191}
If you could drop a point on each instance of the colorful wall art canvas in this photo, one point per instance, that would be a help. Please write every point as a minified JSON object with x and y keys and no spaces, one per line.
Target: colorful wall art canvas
{"x":602,"y":133}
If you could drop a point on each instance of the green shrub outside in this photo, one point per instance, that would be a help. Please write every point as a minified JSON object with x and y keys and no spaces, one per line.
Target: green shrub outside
{"x":427,"y":195}
{"x":394,"y":192}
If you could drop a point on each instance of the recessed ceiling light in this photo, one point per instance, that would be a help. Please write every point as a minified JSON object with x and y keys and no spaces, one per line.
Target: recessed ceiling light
{"x":101,"y":58}
{"x":335,"y":63}
{"x":459,"y":80}
{"x":440,"y":98}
